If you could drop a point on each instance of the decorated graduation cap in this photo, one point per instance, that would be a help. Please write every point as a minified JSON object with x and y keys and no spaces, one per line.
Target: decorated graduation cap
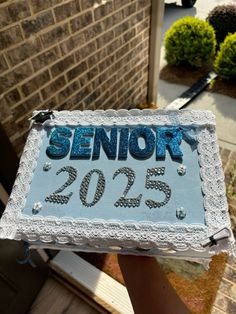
{"x":135,"y":182}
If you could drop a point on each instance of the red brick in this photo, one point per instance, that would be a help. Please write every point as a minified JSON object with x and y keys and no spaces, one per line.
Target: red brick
{"x":14,"y":12}
{"x":96,"y":57}
{"x":129,"y":35}
{"x":53,"y":87}
{"x":3,"y":64}
{"x":81,"y":21}
{"x":26,"y":107}
{"x":68,"y":105}
{"x":10,"y":127}
{"x":130,"y":9}
{"x":66,"y":10}
{"x":92,"y":97}
{"x":143,"y":3}
{"x":45,"y":58}
{"x":134,"y":20}
{"x":85,"y":4}
{"x":144,"y":26}
{"x":10,"y":37}
{"x":68,"y":91}
{"x":88,"y":76}
{"x":93,"y":31}
{"x":77,"y":71}
{"x":120,"y":3}
{"x":17,"y":75}
{"x":55,"y":35}
{"x":12,"y":97}
{"x":35,"y":83}
{"x":114,"y":46}
{"x":85,"y":51}
{"x":39,"y":5}
{"x":103,"y":9}
{"x":105,"y":39}
{"x":24,"y":51}
{"x":62,"y":65}
{"x":122,"y":51}
{"x":50,"y":104}
{"x":121,"y":28}
{"x":73,"y":42}
{"x":112,"y":20}
{"x":5,"y":111}
{"x":34,"y":25}
{"x":78,"y":97}
{"x":106,"y":63}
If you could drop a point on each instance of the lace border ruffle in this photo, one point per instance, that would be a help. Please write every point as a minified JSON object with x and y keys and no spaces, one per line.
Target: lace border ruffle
{"x":145,"y":235}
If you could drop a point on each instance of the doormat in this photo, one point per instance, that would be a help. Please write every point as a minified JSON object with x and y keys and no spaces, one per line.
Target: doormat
{"x":196,"y":286}
{"x":188,"y":76}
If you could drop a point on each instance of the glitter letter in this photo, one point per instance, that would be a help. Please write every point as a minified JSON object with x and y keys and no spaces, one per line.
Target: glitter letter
{"x":81,"y":142}
{"x":59,"y":143}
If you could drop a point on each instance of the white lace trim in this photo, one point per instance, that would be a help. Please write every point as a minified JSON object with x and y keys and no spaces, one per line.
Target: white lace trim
{"x":101,"y":233}
{"x":132,"y":117}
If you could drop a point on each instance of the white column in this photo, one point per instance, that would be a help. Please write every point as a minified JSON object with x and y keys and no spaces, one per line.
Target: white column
{"x":157,"y":15}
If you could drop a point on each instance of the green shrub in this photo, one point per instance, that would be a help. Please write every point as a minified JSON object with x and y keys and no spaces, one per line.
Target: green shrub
{"x":225,"y":62}
{"x":190,"y":41}
{"x":223,"y":20}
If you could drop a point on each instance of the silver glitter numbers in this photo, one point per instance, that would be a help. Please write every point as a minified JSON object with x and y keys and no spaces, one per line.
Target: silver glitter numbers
{"x":123,"y":201}
{"x":85,"y":185}
{"x":58,"y":198}
{"x":158,"y":185}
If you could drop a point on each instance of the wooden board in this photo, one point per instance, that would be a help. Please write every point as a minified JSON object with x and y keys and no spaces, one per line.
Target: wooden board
{"x":55,"y":298}
{"x":99,"y":286}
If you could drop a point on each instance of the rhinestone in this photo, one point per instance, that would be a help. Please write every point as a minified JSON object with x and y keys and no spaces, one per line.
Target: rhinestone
{"x":181,"y":213}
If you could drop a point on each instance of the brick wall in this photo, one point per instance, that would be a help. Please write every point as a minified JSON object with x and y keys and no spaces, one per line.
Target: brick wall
{"x":77,"y":54}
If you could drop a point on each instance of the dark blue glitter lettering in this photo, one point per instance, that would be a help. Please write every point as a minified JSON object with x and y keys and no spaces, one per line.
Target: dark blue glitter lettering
{"x":59,"y":143}
{"x":149,"y":138}
{"x":168,"y":138}
{"x":81,"y":142}
{"x":124,"y":141}
{"x":109,"y":145}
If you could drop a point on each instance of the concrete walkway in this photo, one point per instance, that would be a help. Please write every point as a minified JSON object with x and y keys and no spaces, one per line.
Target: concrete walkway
{"x":223,"y":107}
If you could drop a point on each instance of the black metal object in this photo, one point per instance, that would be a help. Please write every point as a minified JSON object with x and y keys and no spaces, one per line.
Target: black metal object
{"x":220,"y":235}
{"x":185,"y":98}
{"x":42,"y":116}
{"x":188,"y":3}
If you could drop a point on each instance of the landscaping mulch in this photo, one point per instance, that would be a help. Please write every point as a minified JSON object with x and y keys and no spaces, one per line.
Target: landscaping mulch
{"x":188,"y":76}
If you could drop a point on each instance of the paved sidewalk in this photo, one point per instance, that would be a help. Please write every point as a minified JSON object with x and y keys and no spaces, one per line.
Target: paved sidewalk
{"x":223,"y":107}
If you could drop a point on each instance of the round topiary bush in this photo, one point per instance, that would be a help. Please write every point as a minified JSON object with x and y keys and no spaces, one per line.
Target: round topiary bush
{"x":225,"y":62}
{"x":190,"y":41}
{"x":223,"y":20}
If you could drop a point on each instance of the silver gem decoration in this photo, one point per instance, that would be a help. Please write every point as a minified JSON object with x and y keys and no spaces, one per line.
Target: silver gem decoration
{"x":63,"y":199}
{"x":123,"y":201}
{"x":158,"y":185}
{"x":99,"y":189}
{"x":181,"y":213}
{"x":47,"y":166}
{"x":128,"y":202}
{"x":36,"y":208}
{"x":181,"y":170}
